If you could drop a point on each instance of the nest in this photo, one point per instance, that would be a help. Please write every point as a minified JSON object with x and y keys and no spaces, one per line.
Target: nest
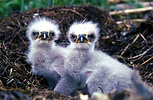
{"x":133,"y":48}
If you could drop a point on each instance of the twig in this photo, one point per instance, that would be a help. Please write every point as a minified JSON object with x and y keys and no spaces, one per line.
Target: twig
{"x":143,"y":36}
{"x":128,"y":5}
{"x":10,"y":81}
{"x":12,"y":39}
{"x":129,"y":45}
{"x":11,"y":71}
{"x":142,"y":54}
{"x":110,"y":2}
{"x":4,"y":45}
{"x":146,"y":61}
{"x":110,"y":36}
{"x":22,"y":40}
{"x":134,"y":20}
{"x":73,"y":11}
{"x":130,"y":11}
{"x":150,"y":74}
{"x":1,"y":83}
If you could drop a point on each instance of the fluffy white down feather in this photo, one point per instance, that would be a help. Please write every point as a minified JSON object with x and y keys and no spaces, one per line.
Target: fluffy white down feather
{"x":84,"y":65}
{"x":43,"y":54}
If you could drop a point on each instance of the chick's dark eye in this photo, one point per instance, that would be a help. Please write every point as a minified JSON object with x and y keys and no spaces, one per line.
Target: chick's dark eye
{"x":91,"y":36}
{"x":35,"y":34}
{"x":73,"y":36}
{"x":52,"y":34}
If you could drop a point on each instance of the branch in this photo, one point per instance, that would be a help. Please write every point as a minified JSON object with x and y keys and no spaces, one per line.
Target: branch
{"x":130,"y":11}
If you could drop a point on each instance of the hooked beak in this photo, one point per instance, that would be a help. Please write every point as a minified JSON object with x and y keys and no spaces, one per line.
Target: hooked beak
{"x":43,"y":35}
{"x":82,"y":39}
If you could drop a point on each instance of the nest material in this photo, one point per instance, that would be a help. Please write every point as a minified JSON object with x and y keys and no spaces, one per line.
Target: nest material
{"x":134,"y":49}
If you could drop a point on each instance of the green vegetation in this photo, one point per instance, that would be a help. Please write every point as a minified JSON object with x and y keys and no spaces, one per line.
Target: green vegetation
{"x":136,"y":3}
{"x":8,"y":7}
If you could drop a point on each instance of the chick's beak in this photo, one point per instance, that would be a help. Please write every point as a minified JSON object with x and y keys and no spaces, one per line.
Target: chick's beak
{"x":44,"y":35}
{"x":82,"y":39}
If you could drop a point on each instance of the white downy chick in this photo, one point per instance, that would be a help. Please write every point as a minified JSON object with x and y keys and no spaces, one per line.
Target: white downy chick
{"x":82,"y":36}
{"x":86,"y":66}
{"x":43,"y":54}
